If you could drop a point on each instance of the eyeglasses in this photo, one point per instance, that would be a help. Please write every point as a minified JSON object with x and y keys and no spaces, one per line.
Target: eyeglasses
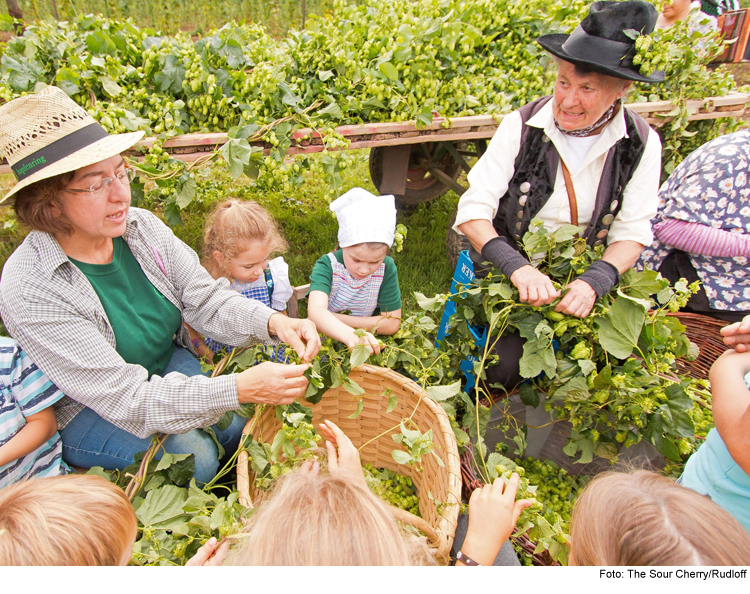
{"x":103,"y":187}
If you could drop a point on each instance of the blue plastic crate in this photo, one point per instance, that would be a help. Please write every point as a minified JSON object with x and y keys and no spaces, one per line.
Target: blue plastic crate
{"x":463,"y":275}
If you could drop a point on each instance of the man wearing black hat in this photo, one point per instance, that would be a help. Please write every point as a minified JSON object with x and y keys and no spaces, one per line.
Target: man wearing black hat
{"x":575,"y":157}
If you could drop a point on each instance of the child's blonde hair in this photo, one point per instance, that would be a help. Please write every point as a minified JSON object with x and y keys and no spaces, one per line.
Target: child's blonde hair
{"x":65,"y":520}
{"x":326,"y":520}
{"x":642,"y":518}
{"x":231,"y":227}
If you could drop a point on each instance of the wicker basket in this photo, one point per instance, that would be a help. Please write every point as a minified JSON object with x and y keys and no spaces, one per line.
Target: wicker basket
{"x":703,"y":331}
{"x":371,"y":431}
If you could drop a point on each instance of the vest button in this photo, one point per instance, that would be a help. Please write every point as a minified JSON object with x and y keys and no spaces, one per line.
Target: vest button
{"x":613,"y":205}
{"x":520,"y":214}
{"x":602,"y":233}
{"x":524,"y":187}
{"x":522,"y":200}
{"x":598,"y":242}
{"x":545,"y":139}
{"x":518,"y":226}
{"x":607,"y":219}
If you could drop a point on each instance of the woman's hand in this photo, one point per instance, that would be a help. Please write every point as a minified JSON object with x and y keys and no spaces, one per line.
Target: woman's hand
{"x":372,"y":343}
{"x":271,"y":383}
{"x":300,"y":334}
{"x":211,"y":554}
{"x":737,"y":335}
{"x":347,"y":461}
{"x":493,"y":513}
{"x":534,"y":287}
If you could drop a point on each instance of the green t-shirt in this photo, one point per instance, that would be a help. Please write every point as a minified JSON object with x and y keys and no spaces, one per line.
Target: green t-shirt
{"x":389,"y":297}
{"x":143,"y":320}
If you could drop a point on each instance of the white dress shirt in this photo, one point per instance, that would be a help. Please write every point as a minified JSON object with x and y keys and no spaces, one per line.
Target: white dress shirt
{"x":489,"y":178}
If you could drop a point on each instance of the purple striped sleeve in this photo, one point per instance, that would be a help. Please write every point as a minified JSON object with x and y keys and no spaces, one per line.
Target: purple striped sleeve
{"x":696,"y":238}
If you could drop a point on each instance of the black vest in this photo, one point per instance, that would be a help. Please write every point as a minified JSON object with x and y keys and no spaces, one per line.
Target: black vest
{"x":536,"y":166}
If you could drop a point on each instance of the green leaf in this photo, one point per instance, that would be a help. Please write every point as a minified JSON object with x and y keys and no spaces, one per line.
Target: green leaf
{"x":360,"y":354}
{"x":574,"y":390}
{"x":171,"y":75}
{"x":620,"y":330}
{"x":187,"y":193}
{"x":441,"y":393}
{"x":258,"y":457}
{"x":356,"y":413}
{"x":429,"y":303}
{"x":332,"y":111}
{"x":401,"y":457}
{"x":225,"y":420}
{"x":587,"y":366}
{"x":161,"y":505}
{"x":538,"y":356}
{"x":236,"y":152}
{"x":392,"y":403}
{"x":110,"y":87}
{"x":529,"y":394}
{"x":353,"y":387}
{"x":389,"y":70}
{"x":99,"y":471}
{"x":324,"y":75}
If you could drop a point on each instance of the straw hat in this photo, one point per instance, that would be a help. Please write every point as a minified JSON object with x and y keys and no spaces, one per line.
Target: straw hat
{"x":47,"y":134}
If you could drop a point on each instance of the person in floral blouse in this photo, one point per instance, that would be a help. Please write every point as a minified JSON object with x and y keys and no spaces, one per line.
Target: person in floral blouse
{"x":702,"y":228}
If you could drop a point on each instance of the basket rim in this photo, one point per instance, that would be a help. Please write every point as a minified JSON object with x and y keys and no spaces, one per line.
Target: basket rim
{"x":449,"y":515}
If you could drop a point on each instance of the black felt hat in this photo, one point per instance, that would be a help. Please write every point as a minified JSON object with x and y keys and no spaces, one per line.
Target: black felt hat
{"x":600,"y":44}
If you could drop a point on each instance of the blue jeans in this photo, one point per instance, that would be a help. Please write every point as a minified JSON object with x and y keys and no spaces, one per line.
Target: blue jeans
{"x":89,"y":440}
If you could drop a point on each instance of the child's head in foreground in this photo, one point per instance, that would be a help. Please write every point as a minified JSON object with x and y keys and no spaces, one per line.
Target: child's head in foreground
{"x":320,"y":519}
{"x":240,"y":237}
{"x":642,"y":518}
{"x":367,"y":225}
{"x":66,"y":520}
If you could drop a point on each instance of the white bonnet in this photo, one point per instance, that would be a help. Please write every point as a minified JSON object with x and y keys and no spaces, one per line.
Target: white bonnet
{"x":364,"y":217}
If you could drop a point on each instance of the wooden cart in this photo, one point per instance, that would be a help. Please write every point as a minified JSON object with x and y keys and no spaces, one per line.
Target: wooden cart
{"x":419,"y":163}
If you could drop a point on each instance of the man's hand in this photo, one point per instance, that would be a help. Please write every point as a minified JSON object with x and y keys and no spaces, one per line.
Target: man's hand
{"x":534,"y":287}
{"x":271,"y":383}
{"x":737,"y":335}
{"x":578,"y":300}
{"x":347,"y":461}
{"x":301,"y":335}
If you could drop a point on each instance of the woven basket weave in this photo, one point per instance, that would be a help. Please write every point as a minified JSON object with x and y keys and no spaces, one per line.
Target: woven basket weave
{"x":371,"y":431}
{"x":703,"y":331}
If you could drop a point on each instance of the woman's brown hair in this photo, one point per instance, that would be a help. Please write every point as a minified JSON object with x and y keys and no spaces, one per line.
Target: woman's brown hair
{"x":65,"y":520}
{"x":38,"y":205}
{"x":642,"y":518}
{"x":320,"y":519}
{"x":232,"y":226}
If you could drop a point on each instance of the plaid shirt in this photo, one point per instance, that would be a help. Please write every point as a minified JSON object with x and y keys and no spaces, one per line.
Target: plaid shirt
{"x":53,"y":312}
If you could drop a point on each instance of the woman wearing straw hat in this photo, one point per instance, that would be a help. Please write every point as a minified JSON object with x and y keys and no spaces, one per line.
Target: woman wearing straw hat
{"x":576,"y":157}
{"x":98,"y":292}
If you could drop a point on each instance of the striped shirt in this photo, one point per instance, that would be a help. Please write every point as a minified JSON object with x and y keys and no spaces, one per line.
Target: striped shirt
{"x":51,"y":309}
{"x":25,"y":391}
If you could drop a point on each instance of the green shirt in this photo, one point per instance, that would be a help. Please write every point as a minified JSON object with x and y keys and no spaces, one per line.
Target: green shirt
{"x":143,"y":320}
{"x":389,"y":297}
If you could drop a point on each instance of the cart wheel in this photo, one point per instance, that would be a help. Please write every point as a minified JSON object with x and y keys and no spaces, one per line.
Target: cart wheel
{"x":421,"y":186}
{"x":455,"y":243}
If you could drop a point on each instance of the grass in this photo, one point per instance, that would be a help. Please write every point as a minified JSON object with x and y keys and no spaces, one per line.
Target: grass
{"x":307,"y":224}
{"x":197,"y":17}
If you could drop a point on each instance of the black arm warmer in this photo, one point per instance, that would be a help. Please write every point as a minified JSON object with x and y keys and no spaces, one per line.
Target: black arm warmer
{"x":601,"y":276}
{"x":501,"y":254}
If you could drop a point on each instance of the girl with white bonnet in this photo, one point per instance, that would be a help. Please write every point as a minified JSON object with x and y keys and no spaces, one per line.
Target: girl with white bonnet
{"x":356,"y":287}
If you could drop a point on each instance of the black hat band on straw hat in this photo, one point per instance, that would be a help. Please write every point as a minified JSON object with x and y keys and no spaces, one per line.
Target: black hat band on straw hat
{"x":58,"y":150}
